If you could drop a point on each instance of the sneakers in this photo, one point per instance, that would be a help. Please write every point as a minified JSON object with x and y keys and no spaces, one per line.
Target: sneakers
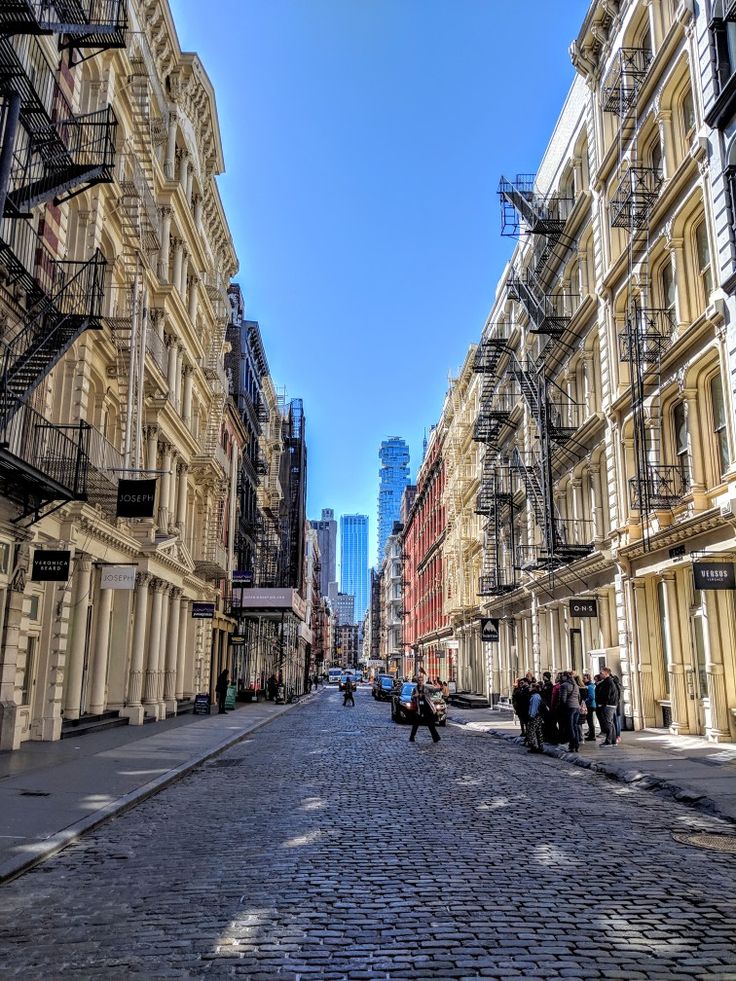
{"x":606,"y":744}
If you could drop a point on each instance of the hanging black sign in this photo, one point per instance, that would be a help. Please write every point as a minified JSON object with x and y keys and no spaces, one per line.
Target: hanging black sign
{"x":489,"y":631}
{"x":203,"y":611}
{"x":242,"y":577}
{"x":50,"y":566}
{"x":714,"y":575}
{"x":136,"y":498}
{"x":584,"y":607}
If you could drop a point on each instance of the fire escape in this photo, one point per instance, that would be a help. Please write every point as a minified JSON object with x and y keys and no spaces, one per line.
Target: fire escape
{"x":48,"y":154}
{"x":648,"y":329}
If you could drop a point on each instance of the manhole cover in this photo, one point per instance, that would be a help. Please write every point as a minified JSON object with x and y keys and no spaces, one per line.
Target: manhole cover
{"x":719,"y":843}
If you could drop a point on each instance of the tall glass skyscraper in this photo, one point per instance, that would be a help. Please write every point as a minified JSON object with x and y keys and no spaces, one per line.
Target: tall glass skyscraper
{"x":394,"y":477}
{"x":354,"y":560}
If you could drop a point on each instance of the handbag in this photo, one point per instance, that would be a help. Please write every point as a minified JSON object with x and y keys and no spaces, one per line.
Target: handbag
{"x":583,"y":708}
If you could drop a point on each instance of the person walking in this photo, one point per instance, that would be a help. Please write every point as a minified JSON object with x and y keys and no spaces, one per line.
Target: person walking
{"x":535,"y":723}
{"x":348,"y":689}
{"x":272,"y":687}
{"x":617,"y":717}
{"x":569,"y":700}
{"x":520,"y":703}
{"x":221,"y":690}
{"x":591,"y":703}
{"x":425,"y":712}
{"x":607,"y":697}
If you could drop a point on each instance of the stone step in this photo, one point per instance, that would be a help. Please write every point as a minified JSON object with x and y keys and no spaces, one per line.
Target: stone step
{"x":73,"y":728}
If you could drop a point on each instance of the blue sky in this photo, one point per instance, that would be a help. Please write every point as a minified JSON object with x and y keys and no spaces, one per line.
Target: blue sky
{"x":363,"y":144}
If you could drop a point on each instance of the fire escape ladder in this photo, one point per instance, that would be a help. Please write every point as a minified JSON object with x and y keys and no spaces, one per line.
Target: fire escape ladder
{"x":549,"y":311}
{"x":51,"y":329}
{"x":496,"y":502}
{"x":97,"y":24}
{"x":523,"y":205}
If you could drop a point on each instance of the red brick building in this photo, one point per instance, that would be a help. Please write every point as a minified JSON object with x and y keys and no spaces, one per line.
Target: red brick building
{"x":425,"y":625}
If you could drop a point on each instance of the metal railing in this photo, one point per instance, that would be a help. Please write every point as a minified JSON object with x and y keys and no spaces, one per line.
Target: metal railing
{"x":74,"y":17}
{"x":634,"y":197}
{"x":647,"y":336}
{"x":625,"y":78}
{"x":58,"y":454}
{"x":157,"y":349}
{"x":658,"y":487}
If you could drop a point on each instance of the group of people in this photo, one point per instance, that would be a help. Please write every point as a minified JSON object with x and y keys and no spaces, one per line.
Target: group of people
{"x":557,"y":711}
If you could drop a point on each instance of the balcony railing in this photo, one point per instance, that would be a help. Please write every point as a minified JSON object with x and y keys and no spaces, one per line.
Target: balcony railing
{"x":491,"y":348}
{"x":659,"y":487}
{"x":571,"y":539}
{"x":634,"y":197}
{"x":625,"y":79}
{"x":140,"y":211}
{"x":105,"y":466}
{"x":564,"y":418}
{"x":647,"y":336}
{"x":88,"y":23}
{"x":496,"y":583}
{"x":38,"y":458}
{"x":540,"y":213}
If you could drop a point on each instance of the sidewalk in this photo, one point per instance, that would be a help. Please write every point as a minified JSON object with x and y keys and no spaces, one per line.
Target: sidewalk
{"x":51,"y":793}
{"x":687,"y":768}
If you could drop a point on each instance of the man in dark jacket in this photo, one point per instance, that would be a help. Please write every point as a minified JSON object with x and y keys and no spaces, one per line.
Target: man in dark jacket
{"x":569,"y":700}
{"x":221,"y":690}
{"x":606,"y":695}
{"x":426,"y":714}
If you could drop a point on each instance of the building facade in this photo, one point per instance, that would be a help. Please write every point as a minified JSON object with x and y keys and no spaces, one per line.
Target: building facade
{"x":393,"y":477}
{"x":354,"y":560}
{"x":606,"y":414}
{"x":130,"y":240}
{"x":326,"y":528}
{"x":391,"y":611}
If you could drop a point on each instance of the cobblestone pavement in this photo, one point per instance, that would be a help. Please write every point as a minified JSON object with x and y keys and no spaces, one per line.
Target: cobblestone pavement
{"x":328,"y":846}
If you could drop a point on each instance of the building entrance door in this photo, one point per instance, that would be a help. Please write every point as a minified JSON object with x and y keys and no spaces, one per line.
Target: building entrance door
{"x":576,"y":651}
{"x":696,"y":677}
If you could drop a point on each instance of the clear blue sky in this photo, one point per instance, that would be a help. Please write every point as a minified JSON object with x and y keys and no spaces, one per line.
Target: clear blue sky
{"x":363,"y":144}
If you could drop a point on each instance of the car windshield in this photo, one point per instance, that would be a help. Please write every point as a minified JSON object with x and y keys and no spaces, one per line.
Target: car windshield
{"x":407,"y":690}
{"x":387,"y":682}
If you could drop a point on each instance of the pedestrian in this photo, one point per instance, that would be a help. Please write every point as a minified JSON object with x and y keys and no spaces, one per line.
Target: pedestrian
{"x":348,"y":688}
{"x":550,"y":726}
{"x":221,"y":690}
{"x":425,"y":712}
{"x":591,"y":705}
{"x":555,"y":710}
{"x":530,"y":679}
{"x":535,"y":722}
{"x":272,"y":686}
{"x":582,"y":706}
{"x":599,"y":713}
{"x":569,"y":697}
{"x":520,"y":702}
{"x":606,"y":695}
{"x":617,"y":718}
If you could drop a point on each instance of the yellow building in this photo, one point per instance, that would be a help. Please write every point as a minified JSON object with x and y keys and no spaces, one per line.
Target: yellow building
{"x":606,"y":417}
{"x":115,"y":256}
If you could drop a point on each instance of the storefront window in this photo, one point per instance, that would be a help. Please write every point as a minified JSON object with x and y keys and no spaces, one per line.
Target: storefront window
{"x":699,"y":631}
{"x":664,"y":634}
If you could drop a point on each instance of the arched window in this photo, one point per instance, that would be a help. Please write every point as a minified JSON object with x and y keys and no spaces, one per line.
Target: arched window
{"x":718,"y":415}
{"x":680,"y":434}
{"x":702,"y":260}
{"x":667,"y":289}
{"x":687,"y":111}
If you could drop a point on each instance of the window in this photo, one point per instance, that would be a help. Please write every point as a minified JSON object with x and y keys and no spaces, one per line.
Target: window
{"x":33,"y":608}
{"x":26,"y":683}
{"x":702,"y":254}
{"x":4,"y":557}
{"x":664,"y":634}
{"x":719,"y":423}
{"x":679,"y":425}
{"x":687,"y":108}
{"x":667,"y":288}
{"x":655,"y":157}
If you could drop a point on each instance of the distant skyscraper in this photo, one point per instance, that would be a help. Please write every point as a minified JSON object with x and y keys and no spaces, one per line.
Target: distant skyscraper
{"x":345,"y":608}
{"x":354,"y":560}
{"x":394,"y":477}
{"x":326,"y":530}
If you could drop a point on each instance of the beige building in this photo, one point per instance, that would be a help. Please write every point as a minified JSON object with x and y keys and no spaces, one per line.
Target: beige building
{"x":606,"y":417}
{"x":116,"y":255}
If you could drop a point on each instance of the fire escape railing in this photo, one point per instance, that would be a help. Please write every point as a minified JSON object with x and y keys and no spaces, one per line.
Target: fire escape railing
{"x":82,"y":23}
{"x":634,"y":198}
{"x":624,"y":80}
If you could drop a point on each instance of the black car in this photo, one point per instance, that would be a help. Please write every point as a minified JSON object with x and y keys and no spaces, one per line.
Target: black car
{"x":401,"y":710}
{"x":383,"y":686}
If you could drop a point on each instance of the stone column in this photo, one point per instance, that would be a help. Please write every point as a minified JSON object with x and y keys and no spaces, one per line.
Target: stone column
{"x":154,"y":639}
{"x":172,"y":650}
{"x":165,"y":250}
{"x":189,"y":187}
{"x":719,"y":729}
{"x":163,"y":501}
{"x":170,"y":167}
{"x":198,"y":212}
{"x":186,"y":411}
{"x":181,"y":647}
{"x":173,"y":489}
{"x":695,"y":451}
{"x":193,"y":299}
{"x":134,"y":710}
{"x":183,"y":285}
{"x":172,"y":366}
{"x":645,"y":709}
{"x":666,"y":142}
{"x":178,"y":263}
{"x":151,"y":447}
{"x":161,"y":666}
{"x":75,"y":666}
{"x":177,"y":379}
{"x":184,"y":171}
{"x":682,"y":296}
{"x":596,"y":483}
{"x":101,"y":653}
{"x":181,"y":498}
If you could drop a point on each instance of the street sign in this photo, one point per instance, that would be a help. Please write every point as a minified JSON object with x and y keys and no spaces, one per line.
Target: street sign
{"x":714,"y":575}
{"x":50,"y":565}
{"x":136,"y":498}
{"x":585,"y":607}
{"x":117,"y":577}
{"x":489,"y":630}
{"x":203,"y":611}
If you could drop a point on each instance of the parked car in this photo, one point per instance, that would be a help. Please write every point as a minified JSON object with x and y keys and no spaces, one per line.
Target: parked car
{"x":383,"y":687}
{"x":401,"y":710}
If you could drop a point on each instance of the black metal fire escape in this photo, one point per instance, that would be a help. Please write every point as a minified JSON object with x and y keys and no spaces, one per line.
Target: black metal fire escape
{"x":648,"y":330}
{"x":47,"y":154}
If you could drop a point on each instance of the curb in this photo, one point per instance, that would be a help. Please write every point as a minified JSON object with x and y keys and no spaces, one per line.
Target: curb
{"x":634,"y":777}
{"x":16,"y":866}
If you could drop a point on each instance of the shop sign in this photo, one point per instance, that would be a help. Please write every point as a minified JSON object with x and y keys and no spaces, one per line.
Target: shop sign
{"x":230,"y":697}
{"x":585,"y":607}
{"x":714,"y":575}
{"x":489,"y":630}
{"x":118,"y":577}
{"x":203,"y":611}
{"x":677,"y":552}
{"x":201,"y":705}
{"x":237,"y":639}
{"x":136,"y":498}
{"x":50,"y":566}
{"x":242,"y":577}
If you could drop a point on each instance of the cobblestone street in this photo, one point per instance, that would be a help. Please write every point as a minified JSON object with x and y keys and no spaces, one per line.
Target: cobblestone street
{"x":327,"y":846}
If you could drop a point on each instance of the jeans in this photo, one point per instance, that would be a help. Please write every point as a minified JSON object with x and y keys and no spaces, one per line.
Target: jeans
{"x":617,"y":719}
{"x":591,"y":723}
{"x":573,"y":721}
{"x":609,"y":724}
{"x":424,"y":721}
